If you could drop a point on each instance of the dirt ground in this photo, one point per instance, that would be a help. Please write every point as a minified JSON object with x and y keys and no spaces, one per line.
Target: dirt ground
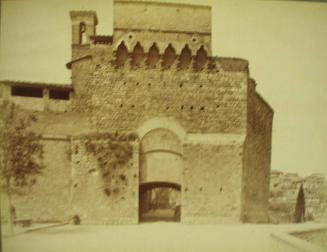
{"x":159,"y":236}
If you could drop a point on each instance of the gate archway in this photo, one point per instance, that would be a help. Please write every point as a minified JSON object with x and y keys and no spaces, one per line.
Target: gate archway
{"x":159,"y":201}
{"x":160,"y":176}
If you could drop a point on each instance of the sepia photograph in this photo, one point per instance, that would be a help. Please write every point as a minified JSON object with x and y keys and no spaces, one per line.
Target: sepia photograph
{"x":163,"y":125}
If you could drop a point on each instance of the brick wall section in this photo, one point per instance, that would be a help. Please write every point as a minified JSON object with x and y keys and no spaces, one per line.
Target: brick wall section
{"x":123,"y":99}
{"x":60,"y":124}
{"x":90,"y":202}
{"x":48,"y":199}
{"x":212,"y":183}
{"x":257,"y":157}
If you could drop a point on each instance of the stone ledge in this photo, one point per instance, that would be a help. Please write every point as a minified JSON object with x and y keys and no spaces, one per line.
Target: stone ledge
{"x":297,"y":244}
{"x":216,"y":139}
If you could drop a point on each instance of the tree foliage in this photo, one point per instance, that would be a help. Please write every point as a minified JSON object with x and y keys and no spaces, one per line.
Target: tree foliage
{"x":300,"y":206}
{"x":20,"y":148}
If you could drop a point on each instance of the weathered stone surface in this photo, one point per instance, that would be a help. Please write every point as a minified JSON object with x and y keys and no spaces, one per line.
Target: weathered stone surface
{"x":257,"y":156}
{"x":49,"y":198}
{"x":212,"y":180}
{"x":88,"y":199}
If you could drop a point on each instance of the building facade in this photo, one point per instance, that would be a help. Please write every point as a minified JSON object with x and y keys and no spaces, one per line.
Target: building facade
{"x":284,"y":197}
{"x":149,"y":107}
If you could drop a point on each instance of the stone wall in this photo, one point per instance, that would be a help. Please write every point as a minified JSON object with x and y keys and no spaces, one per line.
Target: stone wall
{"x":30,"y":103}
{"x":199,"y":101}
{"x":211,"y":190}
{"x":315,"y":193}
{"x":44,"y":103}
{"x":162,"y":16}
{"x":257,"y":157}
{"x":90,"y":202}
{"x":49,"y":198}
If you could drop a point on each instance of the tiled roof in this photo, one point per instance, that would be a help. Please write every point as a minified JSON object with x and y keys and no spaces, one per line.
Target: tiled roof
{"x":102,"y":39}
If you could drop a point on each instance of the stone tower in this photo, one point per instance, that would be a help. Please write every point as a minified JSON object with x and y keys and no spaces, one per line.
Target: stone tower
{"x":202,"y":127}
{"x":83,"y":27}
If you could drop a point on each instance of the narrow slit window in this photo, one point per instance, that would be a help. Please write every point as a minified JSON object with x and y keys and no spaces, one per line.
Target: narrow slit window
{"x":27,"y":91}
{"x":59,"y":95}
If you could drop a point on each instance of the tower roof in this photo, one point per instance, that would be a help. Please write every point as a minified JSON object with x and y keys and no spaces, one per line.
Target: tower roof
{"x":85,"y":15}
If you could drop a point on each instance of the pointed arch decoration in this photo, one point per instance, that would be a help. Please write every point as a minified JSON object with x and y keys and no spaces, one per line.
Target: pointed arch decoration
{"x":169,"y":57}
{"x":185,"y":57}
{"x":200,"y":59}
{"x":121,"y":54}
{"x":138,"y":55}
{"x":153,"y":56}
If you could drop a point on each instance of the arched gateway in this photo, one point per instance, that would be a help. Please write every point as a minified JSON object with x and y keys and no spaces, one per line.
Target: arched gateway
{"x":160,"y":176}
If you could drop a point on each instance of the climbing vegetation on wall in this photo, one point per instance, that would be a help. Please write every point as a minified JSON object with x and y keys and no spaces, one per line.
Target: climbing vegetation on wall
{"x":21,"y":149}
{"x":112,"y":152}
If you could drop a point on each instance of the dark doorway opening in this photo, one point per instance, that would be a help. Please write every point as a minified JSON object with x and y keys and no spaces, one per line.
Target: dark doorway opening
{"x":159,"y":201}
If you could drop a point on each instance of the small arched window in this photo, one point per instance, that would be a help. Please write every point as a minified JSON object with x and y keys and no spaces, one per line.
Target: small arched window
{"x":169,"y":56}
{"x":201,"y":59}
{"x":138,"y":55}
{"x":82,"y":33}
{"x":121,"y":54}
{"x":153,"y":56}
{"x":185,"y":58}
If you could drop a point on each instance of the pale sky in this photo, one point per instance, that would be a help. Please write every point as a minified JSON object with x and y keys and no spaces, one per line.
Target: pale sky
{"x":285,"y":42}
